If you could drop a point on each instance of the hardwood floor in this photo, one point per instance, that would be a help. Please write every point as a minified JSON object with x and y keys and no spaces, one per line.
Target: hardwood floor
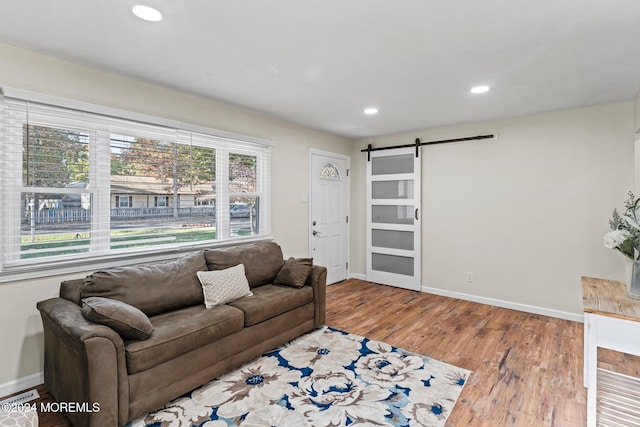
{"x":527,"y":369}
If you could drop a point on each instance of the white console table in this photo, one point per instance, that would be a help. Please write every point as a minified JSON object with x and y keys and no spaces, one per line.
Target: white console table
{"x":611,"y":320}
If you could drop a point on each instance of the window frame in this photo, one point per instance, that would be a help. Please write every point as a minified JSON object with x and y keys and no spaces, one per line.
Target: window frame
{"x":113,"y":122}
{"x":119,"y":198}
{"x":161,"y":201}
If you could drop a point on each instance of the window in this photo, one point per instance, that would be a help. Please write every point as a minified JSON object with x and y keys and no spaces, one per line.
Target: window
{"x":124,"y":201}
{"x":161,"y":201}
{"x":330,"y":172}
{"x":80,"y":185}
{"x":55,"y":171}
{"x":244,"y":198}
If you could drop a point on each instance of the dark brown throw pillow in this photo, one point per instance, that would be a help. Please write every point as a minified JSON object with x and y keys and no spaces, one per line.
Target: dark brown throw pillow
{"x":125,"y":319}
{"x":294,"y":272}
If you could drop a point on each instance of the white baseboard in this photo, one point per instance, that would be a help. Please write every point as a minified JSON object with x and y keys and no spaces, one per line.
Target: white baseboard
{"x":506,"y":304}
{"x":21,"y":384}
{"x":497,"y":302}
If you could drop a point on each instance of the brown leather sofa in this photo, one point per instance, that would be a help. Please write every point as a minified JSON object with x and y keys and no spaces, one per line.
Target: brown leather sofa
{"x":86,"y":362}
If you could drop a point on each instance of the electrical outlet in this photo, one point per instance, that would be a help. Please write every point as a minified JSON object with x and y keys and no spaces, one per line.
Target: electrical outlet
{"x":469,"y":277}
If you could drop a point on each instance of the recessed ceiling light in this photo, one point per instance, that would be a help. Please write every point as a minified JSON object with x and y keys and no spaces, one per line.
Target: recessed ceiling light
{"x":147,"y":13}
{"x":371,"y":111}
{"x":480,"y":89}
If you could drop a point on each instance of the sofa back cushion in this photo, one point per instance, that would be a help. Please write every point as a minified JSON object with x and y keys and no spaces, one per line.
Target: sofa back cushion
{"x":262,"y":260}
{"x":71,"y":290}
{"x":154,"y":288}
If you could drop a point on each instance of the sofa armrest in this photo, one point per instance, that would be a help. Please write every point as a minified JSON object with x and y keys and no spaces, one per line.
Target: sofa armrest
{"x":318,"y":281}
{"x":84,"y":363}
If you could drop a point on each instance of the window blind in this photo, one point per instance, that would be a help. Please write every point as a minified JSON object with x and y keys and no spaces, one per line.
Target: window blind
{"x":78,"y":185}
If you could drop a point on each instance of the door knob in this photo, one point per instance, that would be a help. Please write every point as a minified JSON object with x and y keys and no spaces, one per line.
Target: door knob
{"x":315,"y":232}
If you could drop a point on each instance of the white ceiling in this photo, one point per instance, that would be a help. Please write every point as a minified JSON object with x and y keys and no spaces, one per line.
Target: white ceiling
{"x":319,"y":63}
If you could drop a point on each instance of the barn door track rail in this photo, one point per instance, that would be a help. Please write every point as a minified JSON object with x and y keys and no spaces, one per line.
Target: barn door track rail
{"x":419,"y":144}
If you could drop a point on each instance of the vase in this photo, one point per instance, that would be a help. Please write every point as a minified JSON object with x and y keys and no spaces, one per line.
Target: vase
{"x":633,"y":279}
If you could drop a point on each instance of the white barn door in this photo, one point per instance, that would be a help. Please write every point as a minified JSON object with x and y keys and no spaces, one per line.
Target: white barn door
{"x":393,"y":218}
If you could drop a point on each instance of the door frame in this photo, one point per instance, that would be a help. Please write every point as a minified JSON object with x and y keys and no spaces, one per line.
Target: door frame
{"x":346,"y":157}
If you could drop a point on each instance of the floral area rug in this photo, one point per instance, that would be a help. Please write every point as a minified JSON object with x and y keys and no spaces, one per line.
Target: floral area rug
{"x":325,"y":378}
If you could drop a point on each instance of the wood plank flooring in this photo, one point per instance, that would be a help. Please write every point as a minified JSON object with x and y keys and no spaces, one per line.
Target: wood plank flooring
{"x":527,"y":369}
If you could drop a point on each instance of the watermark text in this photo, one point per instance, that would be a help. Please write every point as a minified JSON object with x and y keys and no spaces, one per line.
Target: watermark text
{"x":68,"y":407}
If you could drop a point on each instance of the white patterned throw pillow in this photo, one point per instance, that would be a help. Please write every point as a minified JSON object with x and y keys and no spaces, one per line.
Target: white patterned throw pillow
{"x":223,"y":286}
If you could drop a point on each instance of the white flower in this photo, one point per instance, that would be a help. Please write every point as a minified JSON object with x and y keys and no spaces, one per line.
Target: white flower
{"x":250,"y":388}
{"x":426,"y":414}
{"x":432,"y":400}
{"x":216,"y":423}
{"x":631,"y":222}
{"x":615,"y":238}
{"x":183,"y":412}
{"x":322,"y":351}
{"x":338,"y":398}
{"x":274,"y":415}
{"x":389,"y":369}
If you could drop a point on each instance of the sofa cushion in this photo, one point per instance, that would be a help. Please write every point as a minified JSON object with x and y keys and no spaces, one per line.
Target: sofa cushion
{"x":269,"y":301}
{"x":125,"y":319}
{"x":71,"y":289}
{"x":154,"y":288}
{"x":261,"y":260}
{"x":294,"y":272}
{"x":222,"y":286}
{"x":181,"y":331}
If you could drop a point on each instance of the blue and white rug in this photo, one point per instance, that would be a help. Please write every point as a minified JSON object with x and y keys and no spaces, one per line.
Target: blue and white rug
{"x":325,"y":378}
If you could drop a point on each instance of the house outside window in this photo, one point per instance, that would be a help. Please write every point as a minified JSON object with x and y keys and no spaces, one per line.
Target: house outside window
{"x":83,"y":186}
{"x":124,"y":201}
{"x":161,"y":201}
{"x":204,"y":201}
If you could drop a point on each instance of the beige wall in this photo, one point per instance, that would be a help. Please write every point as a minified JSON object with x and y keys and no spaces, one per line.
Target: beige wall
{"x":20,"y":327}
{"x":525,"y":213}
{"x":637,"y":144}
{"x":637,"y":115}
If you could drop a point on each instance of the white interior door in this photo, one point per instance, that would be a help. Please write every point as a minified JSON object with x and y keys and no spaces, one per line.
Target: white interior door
{"x":393,"y":218}
{"x":328,"y":213}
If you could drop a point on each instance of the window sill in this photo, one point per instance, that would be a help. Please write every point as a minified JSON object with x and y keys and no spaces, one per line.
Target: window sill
{"x":79,"y":266}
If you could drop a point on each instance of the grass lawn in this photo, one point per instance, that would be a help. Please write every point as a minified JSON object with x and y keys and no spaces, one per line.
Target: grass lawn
{"x":71,"y":243}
